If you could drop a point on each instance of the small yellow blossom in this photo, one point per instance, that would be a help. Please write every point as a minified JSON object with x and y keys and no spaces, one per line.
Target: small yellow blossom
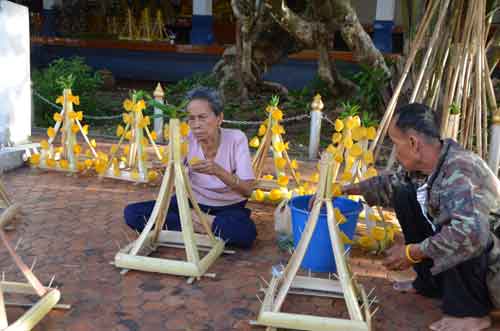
{"x":336,"y":137}
{"x":64,"y":164}
{"x":368,"y":157}
{"x":88,"y":163}
{"x":44,"y":144}
{"x":259,"y":195}
{"x":127,"y":118}
{"x":128,"y":135}
{"x":93,"y":143}
{"x":135,"y":175}
{"x":356,"y":150}
{"x":339,"y":125}
{"x":294,"y":164}
{"x":144,"y":141}
{"x":140,"y":105}
{"x":268,"y":177}
{"x":280,"y":163}
{"x":80,"y":166}
{"x":51,"y":132}
{"x":371,"y":172}
{"x":35,"y":159}
{"x":126,"y":149}
{"x":358,"y":133}
{"x":145,"y":121}
{"x":330,"y":149}
{"x":371,"y":133}
{"x":315,"y":177}
{"x":57,"y":117}
{"x":277,"y":114}
{"x":283,"y":180}
{"x":348,"y":142}
{"x":72,"y":115}
{"x":154,"y":136}
{"x":60,"y":99}
{"x":278,"y":129}
{"x":128,"y":104}
{"x":77,"y":149}
{"x":152,"y":175}
{"x":184,"y":129}
{"x":85,"y":129}
{"x":74,"y":128}
{"x":254,"y":142}
{"x":262,"y":130}
{"x":79,"y":115}
{"x":339,"y":158}
{"x":51,"y":163}
{"x":336,"y":189}
{"x":74,"y":99}
{"x":275,"y":195}
{"x":346,"y":176}
{"x":279,"y":146}
{"x":119,"y":131}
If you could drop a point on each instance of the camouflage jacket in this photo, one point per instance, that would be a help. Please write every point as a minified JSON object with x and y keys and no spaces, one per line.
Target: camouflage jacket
{"x":463,"y":198}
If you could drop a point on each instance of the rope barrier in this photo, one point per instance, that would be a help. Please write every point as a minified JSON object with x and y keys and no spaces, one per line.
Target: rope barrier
{"x":246,"y":123}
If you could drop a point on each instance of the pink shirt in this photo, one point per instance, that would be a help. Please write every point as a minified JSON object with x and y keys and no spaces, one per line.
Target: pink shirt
{"x":234,"y":156}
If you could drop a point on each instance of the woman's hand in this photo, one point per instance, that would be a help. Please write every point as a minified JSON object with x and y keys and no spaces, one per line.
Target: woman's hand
{"x":207,"y":167}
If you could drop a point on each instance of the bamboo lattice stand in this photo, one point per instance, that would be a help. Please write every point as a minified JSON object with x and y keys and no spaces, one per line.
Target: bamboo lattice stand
{"x":47,"y":297}
{"x":10,"y":209}
{"x":153,"y":236}
{"x":288,"y":281}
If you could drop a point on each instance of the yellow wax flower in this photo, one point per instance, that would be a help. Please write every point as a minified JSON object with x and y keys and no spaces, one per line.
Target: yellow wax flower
{"x":144,"y":156}
{"x":44,"y":144}
{"x":128,"y":104}
{"x":275,"y":195}
{"x":331,"y":149}
{"x":279,"y":146}
{"x":60,"y":99}
{"x":371,"y":133}
{"x":72,"y":115}
{"x":278,"y":129}
{"x":64,"y":164}
{"x":269,"y":109}
{"x":127,"y":118}
{"x":277,"y":114}
{"x":88,"y":153}
{"x":357,"y":121}
{"x":77,"y":149}
{"x":35,"y":159}
{"x":348,"y":142}
{"x":368,"y":157}
{"x":294,"y":164}
{"x":349,"y":122}
{"x":339,"y":125}
{"x":57,"y":117}
{"x":154,"y":136}
{"x":194,"y":160}
{"x":345,"y":239}
{"x":262,"y":130}
{"x":358,"y":133}
{"x":74,"y":99}
{"x":128,"y":135}
{"x":280,"y":163}
{"x":135,"y":175}
{"x":297,"y":175}
{"x":184,"y":129}
{"x":336,"y":137}
{"x":339,"y":158}
{"x":119,"y":130}
{"x":51,"y":163}
{"x":88,"y":163}
{"x":113,"y":149}
{"x":140,"y":105}
{"x":93,"y":143}
{"x":283,"y":180}
{"x":51,"y":132}
{"x":268,"y":177}
{"x":254,"y":142}
{"x":74,"y":128}
{"x":144,"y":141}
{"x":259,"y":195}
{"x":371,"y":172}
{"x":116,"y":172}
{"x":339,"y":217}
{"x":80,"y":166}
{"x":152,"y":175}
{"x":378,"y":233}
{"x":346,"y":176}
{"x":85,"y":129}
{"x":79,"y":115}
{"x":126,"y":149}
{"x":356,"y":150}
{"x":368,"y":243}
{"x":100,"y":167}
{"x":145,"y":121}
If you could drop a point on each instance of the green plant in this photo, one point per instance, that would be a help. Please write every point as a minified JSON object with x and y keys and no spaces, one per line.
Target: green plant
{"x":370,"y":81}
{"x":68,"y":72}
{"x":454,"y":109}
{"x":350,"y":109}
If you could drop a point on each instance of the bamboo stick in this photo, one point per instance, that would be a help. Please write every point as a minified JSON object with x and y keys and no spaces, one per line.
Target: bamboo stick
{"x":151,"y":264}
{"x":9,"y":214}
{"x":307,"y":322}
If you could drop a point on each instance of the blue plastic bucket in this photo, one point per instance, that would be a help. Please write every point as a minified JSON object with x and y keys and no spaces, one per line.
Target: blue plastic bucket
{"x":319,"y":255}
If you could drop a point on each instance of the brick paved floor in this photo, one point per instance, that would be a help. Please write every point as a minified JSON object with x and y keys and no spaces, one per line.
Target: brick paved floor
{"x":74,"y":225}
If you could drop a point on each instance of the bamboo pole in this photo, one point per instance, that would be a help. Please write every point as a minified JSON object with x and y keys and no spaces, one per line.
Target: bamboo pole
{"x":9,"y":214}
{"x":307,"y":322}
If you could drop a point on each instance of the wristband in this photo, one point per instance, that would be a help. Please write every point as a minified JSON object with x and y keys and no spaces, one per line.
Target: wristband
{"x":408,"y":255}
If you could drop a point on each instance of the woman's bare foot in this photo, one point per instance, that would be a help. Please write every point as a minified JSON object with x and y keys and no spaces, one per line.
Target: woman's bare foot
{"x":404,"y":286}
{"x":449,"y":323}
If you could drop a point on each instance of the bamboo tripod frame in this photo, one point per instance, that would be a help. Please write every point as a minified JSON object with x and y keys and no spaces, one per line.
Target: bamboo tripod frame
{"x":68,"y":138}
{"x":11,"y":209}
{"x":136,"y":154}
{"x":153,"y":236}
{"x":279,"y":286}
{"x":268,"y":140}
{"x":48,"y":297}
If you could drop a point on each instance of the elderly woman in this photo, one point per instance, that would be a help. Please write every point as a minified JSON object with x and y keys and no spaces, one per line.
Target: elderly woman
{"x":222,"y":179}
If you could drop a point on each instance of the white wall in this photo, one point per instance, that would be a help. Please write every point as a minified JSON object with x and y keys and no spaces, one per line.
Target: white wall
{"x":15,"y":92}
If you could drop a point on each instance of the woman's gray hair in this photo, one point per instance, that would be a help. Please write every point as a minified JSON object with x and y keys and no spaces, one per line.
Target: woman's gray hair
{"x":208,"y":94}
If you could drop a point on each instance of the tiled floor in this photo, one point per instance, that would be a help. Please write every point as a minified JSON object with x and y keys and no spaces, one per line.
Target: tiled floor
{"x":74,"y":226}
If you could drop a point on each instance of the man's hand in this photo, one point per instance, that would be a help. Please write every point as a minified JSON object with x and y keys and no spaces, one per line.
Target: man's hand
{"x":208,"y":167}
{"x":396,"y":258}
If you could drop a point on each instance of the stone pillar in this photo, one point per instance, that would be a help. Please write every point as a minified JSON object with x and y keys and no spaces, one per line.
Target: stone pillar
{"x":15,"y":88}
{"x":383,"y":25}
{"x":202,"y":23}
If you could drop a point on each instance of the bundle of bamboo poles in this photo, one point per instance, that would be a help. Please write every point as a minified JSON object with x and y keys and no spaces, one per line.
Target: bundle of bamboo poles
{"x":449,"y":70}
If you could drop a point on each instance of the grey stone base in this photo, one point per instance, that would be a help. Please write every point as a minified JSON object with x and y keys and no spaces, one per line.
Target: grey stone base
{"x":14,"y":157}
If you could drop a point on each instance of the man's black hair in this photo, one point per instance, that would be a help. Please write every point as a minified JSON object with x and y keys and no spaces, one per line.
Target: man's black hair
{"x":418,"y":117}
{"x":209,"y":95}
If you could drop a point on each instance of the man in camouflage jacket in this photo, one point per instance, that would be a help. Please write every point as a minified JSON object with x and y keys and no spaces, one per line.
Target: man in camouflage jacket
{"x":448,"y":204}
